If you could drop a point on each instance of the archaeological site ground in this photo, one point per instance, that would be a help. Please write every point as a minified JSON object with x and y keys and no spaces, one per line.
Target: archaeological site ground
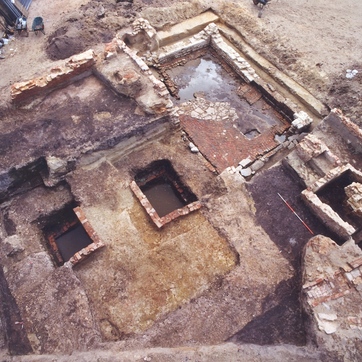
{"x":181,"y":181}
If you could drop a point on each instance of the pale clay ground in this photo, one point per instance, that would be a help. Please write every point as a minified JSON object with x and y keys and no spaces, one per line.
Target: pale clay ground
{"x":326,"y":33}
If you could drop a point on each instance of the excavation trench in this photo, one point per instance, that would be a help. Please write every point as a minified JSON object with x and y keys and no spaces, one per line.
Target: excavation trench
{"x":172,"y":272}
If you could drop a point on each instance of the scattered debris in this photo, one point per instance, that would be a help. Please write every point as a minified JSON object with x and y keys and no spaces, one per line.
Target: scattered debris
{"x":351,"y":73}
{"x":301,"y":121}
{"x":193,"y":148}
{"x":20,"y":323}
{"x":246,"y":172}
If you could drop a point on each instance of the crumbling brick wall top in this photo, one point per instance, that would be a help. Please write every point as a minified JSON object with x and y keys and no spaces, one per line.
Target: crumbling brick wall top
{"x":76,"y":66}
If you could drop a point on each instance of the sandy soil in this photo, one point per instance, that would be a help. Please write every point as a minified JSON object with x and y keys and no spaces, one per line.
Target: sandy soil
{"x":25,"y":56}
{"x":324,"y":35}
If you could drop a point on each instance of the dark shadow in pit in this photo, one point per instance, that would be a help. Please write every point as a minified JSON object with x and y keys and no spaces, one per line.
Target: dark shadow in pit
{"x":283,"y":227}
{"x":64,"y":235}
{"x":21,"y":179}
{"x":9,"y":224}
{"x":334,"y":195}
{"x":163,"y":187}
{"x":11,"y":321}
{"x":282,"y":321}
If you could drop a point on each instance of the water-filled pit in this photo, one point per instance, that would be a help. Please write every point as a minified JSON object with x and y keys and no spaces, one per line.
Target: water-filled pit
{"x":163,"y":196}
{"x":227,"y":118}
{"x":65,"y":235}
{"x":75,"y":239}
{"x":164,"y":190}
{"x":280,"y":138}
{"x":203,"y":74}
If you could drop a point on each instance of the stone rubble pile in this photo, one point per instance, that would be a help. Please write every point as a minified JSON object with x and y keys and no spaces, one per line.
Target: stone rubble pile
{"x":127,"y":74}
{"x":311,"y":159}
{"x":354,"y":194}
{"x":332,"y":291}
{"x":301,"y":122}
{"x":201,"y":108}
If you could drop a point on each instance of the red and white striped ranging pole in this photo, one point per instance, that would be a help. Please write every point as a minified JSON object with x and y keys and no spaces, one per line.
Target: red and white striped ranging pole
{"x":292,"y":210}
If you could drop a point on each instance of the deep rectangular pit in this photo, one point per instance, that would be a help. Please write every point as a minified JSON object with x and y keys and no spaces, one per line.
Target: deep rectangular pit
{"x":226,"y":117}
{"x":204,"y":74}
{"x":69,"y":236}
{"x":73,"y":240}
{"x":334,"y":195}
{"x":162,"y":194}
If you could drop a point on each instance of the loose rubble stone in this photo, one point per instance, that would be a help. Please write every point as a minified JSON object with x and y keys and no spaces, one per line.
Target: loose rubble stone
{"x":257,"y":165}
{"x":13,"y":245}
{"x":57,"y":168}
{"x":354,"y":193}
{"x":193,"y":148}
{"x":246,"y":172}
{"x":201,"y":108}
{"x":326,"y":322}
{"x":301,"y":121}
{"x":245,"y":162}
{"x":331,"y":298}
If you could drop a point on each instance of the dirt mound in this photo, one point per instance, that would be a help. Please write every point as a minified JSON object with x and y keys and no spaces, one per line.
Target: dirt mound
{"x":61,"y":46}
{"x":94,"y":24}
{"x":99,"y":21}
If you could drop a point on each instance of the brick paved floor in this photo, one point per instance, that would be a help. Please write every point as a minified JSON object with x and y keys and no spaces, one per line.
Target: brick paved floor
{"x":222,"y":143}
